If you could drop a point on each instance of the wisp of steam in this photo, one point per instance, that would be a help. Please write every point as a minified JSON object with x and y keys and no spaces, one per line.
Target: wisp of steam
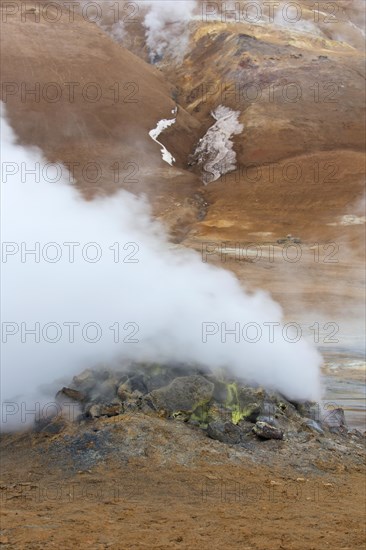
{"x":167,"y":31}
{"x":103,"y":284}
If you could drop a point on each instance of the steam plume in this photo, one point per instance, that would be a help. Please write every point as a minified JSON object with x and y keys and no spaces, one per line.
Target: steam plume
{"x":162,"y":300}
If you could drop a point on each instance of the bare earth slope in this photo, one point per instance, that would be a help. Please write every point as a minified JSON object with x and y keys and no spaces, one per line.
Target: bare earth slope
{"x":134,"y":482}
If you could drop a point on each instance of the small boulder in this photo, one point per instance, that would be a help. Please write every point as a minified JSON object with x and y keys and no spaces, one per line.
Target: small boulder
{"x":134,"y":383}
{"x":308,"y":409}
{"x":267,"y":431}
{"x":252,"y":412}
{"x":269,"y":420}
{"x":158,"y":377}
{"x":281,"y":421}
{"x":74,"y":395}
{"x":220,"y":388}
{"x":245,"y":402}
{"x":183,"y":394}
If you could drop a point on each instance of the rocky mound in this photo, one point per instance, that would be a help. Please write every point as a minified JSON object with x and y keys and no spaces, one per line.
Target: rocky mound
{"x":226,"y":408}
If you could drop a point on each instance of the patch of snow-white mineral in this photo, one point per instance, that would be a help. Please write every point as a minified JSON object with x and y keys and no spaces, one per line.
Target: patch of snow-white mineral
{"x":214,"y":151}
{"x":155,"y":133}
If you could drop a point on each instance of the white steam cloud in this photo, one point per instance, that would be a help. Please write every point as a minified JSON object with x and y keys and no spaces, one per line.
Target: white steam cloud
{"x":166,"y":24}
{"x":167,"y":32}
{"x":150,"y":303}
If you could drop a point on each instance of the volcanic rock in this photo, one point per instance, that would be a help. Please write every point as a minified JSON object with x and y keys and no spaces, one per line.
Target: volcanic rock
{"x":252,"y":412}
{"x":226,"y":432}
{"x":227,"y":409}
{"x":184,"y":394}
{"x":75,"y":395}
{"x":134,"y":383}
{"x":267,"y":431}
{"x":308,"y":409}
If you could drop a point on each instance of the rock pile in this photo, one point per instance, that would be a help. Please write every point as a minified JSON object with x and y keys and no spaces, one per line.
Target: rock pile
{"x":226,"y":408}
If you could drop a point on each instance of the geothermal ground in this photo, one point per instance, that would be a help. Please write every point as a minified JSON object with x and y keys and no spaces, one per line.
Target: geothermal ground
{"x":245,"y":132}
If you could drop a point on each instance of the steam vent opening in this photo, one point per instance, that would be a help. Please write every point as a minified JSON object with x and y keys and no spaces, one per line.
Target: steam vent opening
{"x":183,"y":273}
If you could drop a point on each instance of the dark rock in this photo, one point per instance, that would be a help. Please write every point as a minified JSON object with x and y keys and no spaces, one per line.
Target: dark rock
{"x":75,"y":395}
{"x":183,"y":394}
{"x":226,"y":432}
{"x":244,"y":402}
{"x":246,"y":427}
{"x":204,"y":414}
{"x":134,"y":383}
{"x":289,"y":410}
{"x":241,"y":402}
{"x":211,"y":412}
{"x":154,"y":382}
{"x":247,"y":394}
{"x":220,"y":393}
{"x":147,"y":405}
{"x":308,"y":409}
{"x":271,"y":420}
{"x":267,"y":431}
{"x":133,"y":388}
{"x":252,"y":412}
{"x":282,"y":421}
